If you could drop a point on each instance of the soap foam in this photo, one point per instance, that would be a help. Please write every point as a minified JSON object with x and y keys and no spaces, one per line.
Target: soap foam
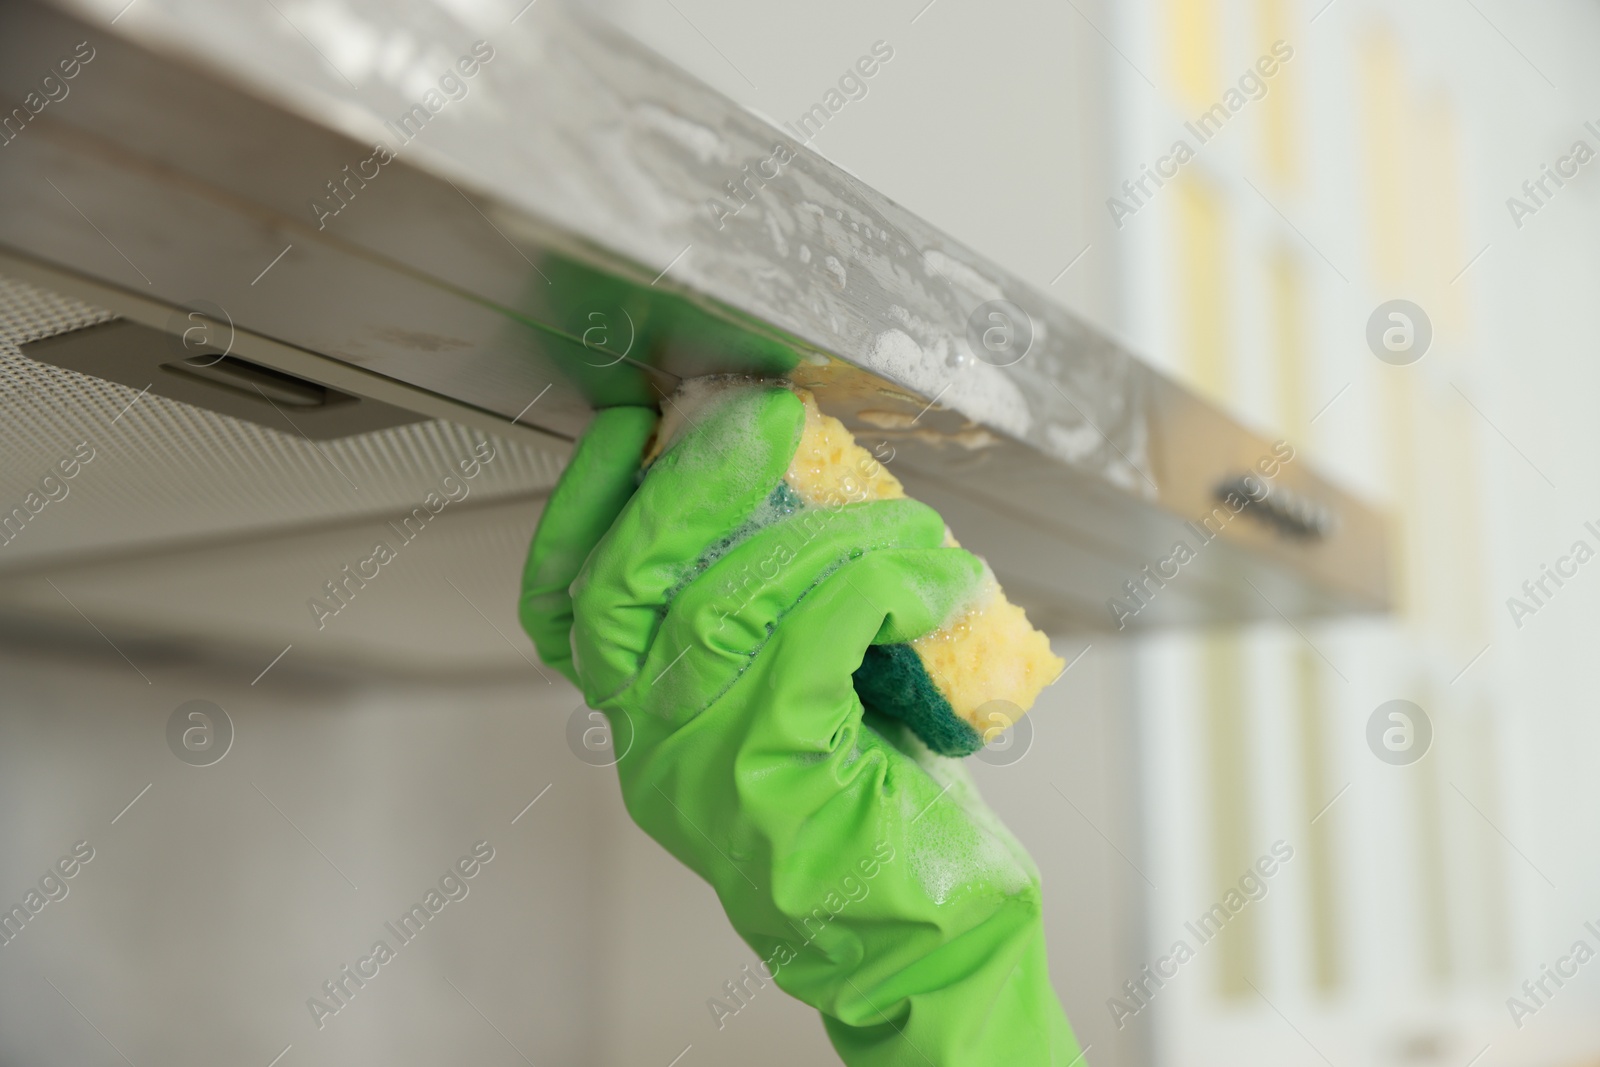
{"x":979,"y":391}
{"x":957,"y":847}
{"x":735,"y":406}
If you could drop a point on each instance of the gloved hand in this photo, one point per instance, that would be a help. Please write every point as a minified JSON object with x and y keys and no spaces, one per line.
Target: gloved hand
{"x":863,"y":870}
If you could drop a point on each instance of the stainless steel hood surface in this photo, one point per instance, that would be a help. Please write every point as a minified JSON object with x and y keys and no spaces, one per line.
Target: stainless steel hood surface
{"x":539,"y":236}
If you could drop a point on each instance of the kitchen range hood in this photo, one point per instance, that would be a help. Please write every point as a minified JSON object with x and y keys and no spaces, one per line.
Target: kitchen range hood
{"x":295,"y":256}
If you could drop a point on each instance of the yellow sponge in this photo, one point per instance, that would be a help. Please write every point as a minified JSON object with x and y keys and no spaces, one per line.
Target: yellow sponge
{"x":957,"y":687}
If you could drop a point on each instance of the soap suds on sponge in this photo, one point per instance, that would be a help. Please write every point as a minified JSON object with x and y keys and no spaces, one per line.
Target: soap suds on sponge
{"x":985,"y":655}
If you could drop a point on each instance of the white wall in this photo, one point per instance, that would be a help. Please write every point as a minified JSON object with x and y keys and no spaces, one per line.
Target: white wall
{"x":205,"y":920}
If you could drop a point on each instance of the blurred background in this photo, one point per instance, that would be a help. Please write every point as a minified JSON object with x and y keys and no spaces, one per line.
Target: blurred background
{"x":1438,"y":875}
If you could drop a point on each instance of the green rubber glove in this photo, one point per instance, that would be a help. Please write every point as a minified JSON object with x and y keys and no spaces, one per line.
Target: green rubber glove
{"x":863,"y":870}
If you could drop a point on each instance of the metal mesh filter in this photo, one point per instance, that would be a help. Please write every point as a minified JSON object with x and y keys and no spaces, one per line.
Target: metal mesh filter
{"x":159,"y":470}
